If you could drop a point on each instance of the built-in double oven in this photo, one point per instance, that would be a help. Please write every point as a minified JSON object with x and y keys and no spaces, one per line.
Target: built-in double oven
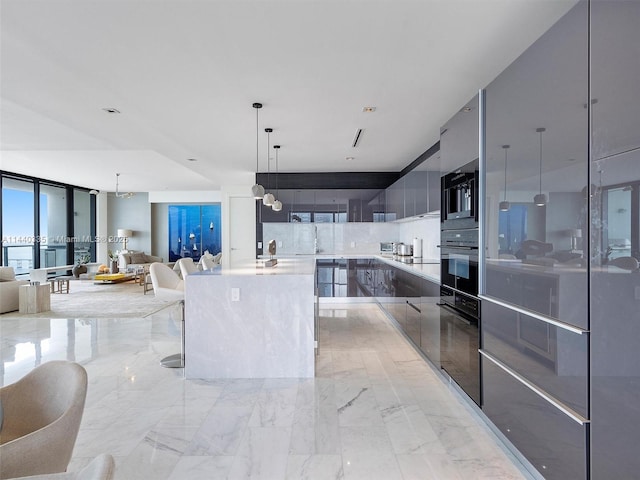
{"x":460,"y":306}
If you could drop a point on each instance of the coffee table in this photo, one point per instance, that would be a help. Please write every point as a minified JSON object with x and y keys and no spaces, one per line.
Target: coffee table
{"x":110,"y":278}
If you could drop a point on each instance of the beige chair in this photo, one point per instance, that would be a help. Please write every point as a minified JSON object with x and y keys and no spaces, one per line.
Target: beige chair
{"x":41,"y":417}
{"x":100,"y":468}
{"x":207,"y":263}
{"x":187,"y":267}
{"x":9,"y":289}
{"x":166,"y":283}
{"x":626,"y":263}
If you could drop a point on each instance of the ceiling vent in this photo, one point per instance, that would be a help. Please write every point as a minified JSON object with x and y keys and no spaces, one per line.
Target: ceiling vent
{"x":357,"y":138}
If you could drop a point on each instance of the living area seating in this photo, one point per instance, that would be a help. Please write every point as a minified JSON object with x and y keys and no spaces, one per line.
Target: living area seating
{"x":209,"y":262}
{"x":132,"y":259}
{"x":187,"y":267}
{"x":41,"y":417}
{"x":9,"y":290}
{"x":166,"y":283}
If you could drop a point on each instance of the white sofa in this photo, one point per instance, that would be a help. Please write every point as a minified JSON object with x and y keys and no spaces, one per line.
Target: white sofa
{"x":132,"y":259}
{"x":9,"y":289}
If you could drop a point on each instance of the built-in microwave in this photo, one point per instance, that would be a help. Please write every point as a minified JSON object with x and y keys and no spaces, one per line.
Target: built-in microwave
{"x":460,"y":197}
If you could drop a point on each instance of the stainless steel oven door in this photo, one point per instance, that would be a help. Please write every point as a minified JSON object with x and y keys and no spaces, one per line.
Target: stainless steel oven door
{"x":459,"y":357}
{"x":459,"y":268}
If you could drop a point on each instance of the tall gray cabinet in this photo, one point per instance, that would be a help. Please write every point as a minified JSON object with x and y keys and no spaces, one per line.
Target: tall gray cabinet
{"x":560,"y":344}
{"x":615,"y":292}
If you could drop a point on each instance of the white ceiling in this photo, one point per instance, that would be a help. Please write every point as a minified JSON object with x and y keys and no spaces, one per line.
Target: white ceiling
{"x":185,"y":73}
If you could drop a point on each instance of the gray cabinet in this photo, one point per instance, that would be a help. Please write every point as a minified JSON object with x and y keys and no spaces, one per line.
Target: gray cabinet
{"x":615,"y":293}
{"x":533,"y":265}
{"x":394,"y":201}
{"x":459,"y":137}
{"x":417,"y":193}
{"x":430,"y":321}
{"x":545,"y":88}
{"x":553,"y":442}
{"x":615,"y":77}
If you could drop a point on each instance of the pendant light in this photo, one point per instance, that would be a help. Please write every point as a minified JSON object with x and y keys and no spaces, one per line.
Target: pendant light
{"x":504,"y":205}
{"x":257,"y":190}
{"x":540,"y":199}
{"x":122,"y":195}
{"x":268,"y":198}
{"x":277,"y":205}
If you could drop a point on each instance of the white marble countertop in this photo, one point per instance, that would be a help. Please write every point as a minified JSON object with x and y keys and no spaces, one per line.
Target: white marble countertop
{"x":285,"y":266}
{"x":430,"y":270}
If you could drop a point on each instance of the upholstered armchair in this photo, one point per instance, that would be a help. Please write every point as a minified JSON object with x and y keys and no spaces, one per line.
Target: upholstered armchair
{"x":166,"y":283}
{"x":187,"y":267}
{"x":41,"y":416}
{"x":9,"y":290}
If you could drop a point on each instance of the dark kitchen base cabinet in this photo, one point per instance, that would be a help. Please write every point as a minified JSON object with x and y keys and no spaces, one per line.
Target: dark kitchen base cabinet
{"x":554,"y":443}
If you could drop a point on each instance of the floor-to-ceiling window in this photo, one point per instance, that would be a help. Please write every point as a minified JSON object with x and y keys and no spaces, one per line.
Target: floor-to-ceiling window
{"x":83,"y":225}
{"x":36,"y":226}
{"x":18,"y":225}
{"x":53,"y":225}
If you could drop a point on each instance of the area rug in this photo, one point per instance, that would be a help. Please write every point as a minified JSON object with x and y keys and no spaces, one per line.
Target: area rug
{"x":87,"y":300}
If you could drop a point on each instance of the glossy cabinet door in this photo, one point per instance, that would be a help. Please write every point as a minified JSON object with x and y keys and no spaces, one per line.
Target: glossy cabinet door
{"x":434,"y":192}
{"x":615,"y":290}
{"x":553,"y":359}
{"x":412,"y":291}
{"x":459,"y":138}
{"x":553,"y":442}
{"x":430,"y":321}
{"x":536,"y":257}
{"x":615,"y":74}
{"x":394,"y":200}
{"x":535,"y":317}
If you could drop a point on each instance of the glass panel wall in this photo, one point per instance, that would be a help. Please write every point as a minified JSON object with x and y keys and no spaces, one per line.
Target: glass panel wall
{"x":53,"y":226}
{"x":83,"y":244}
{"x":18,"y":232}
{"x":36,"y":229}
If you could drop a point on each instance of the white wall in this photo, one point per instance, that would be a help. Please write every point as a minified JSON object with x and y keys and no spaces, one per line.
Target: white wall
{"x":428,"y":229}
{"x":351,"y":238}
{"x":129,"y":213}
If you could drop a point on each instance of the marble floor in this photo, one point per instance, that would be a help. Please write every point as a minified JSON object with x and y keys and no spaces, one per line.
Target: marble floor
{"x":375,"y":410}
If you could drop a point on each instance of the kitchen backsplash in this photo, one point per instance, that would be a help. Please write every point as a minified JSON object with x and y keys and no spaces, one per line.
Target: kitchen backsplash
{"x":351,"y":238}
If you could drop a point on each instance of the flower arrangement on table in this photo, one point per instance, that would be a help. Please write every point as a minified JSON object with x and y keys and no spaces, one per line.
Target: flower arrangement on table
{"x":113,"y":258}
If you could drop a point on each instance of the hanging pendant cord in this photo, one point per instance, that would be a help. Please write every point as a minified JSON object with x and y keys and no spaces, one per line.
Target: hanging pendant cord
{"x":540,"y":130}
{"x":505,"y":171}
{"x":268,"y":130}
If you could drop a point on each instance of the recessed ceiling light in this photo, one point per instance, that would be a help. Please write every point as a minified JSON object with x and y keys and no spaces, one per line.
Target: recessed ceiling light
{"x":111,"y":110}
{"x":350,"y":158}
{"x":192,"y":159}
{"x":368,"y":109}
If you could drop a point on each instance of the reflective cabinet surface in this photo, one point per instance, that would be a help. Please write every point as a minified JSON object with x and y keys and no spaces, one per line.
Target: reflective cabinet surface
{"x":536,"y":217}
{"x":615,"y":218}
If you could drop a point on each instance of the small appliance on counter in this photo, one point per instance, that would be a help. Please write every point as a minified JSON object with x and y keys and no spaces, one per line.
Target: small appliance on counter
{"x":386,"y":248}
{"x":417,"y":247}
{"x":405,"y":250}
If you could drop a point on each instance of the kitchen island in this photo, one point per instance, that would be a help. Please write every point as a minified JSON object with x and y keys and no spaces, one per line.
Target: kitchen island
{"x":251,"y":321}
